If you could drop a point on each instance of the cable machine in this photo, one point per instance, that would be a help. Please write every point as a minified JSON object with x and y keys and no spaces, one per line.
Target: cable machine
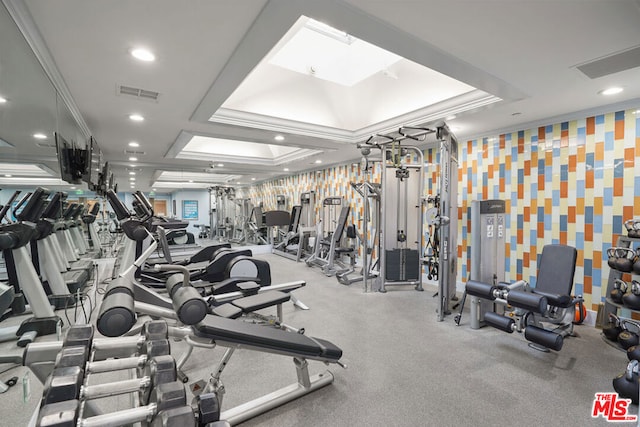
{"x":401,"y":227}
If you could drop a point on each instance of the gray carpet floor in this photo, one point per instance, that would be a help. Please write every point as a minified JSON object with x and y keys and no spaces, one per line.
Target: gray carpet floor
{"x":404,"y":367}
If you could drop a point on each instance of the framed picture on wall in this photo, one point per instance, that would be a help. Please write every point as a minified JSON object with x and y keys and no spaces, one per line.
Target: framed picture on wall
{"x":189,"y":209}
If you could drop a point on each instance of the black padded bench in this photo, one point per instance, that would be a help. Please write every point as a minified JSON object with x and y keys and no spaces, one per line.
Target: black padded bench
{"x":278,"y":341}
{"x":240,"y":306}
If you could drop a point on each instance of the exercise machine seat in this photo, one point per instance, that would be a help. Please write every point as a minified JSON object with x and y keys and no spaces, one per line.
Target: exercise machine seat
{"x":555,"y":274}
{"x":260,"y":301}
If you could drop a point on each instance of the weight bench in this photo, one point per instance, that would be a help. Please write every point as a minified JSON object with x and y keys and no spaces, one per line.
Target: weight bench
{"x":549,"y":302}
{"x":212,"y":331}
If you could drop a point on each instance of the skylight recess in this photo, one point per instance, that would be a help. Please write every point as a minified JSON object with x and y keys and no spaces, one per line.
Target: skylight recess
{"x":328,"y":54}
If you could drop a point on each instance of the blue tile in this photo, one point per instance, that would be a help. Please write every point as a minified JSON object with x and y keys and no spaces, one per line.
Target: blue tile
{"x":520,"y":219}
{"x":617,"y":224}
{"x":618,"y":168}
{"x":564,"y":126}
{"x":555,"y":197}
{"x":580,"y":188}
{"x":588,"y":267}
{"x":579,"y":240}
{"x":597,"y":224}
{"x":619,"y":115}
{"x":520,"y":176}
{"x":564,"y":173}
{"x":608,"y":196}
{"x":588,"y":214}
{"x":608,"y":141}
{"x":600,"y":119}
{"x":589,"y":159}
{"x":563,"y":222}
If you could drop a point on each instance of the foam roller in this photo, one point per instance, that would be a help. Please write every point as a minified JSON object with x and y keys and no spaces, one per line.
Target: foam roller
{"x":119,"y":285}
{"x":117,"y":315}
{"x":543,"y":337}
{"x":189,"y":305}
{"x":499,"y":322}
{"x":174,"y":282}
{"x":528,"y":301}
{"x":480,"y":289}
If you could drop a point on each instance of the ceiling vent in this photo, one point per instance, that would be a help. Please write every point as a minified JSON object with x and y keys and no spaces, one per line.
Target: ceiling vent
{"x":46,"y":144}
{"x":134,"y":153}
{"x":614,"y":63}
{"x":148,"y":95}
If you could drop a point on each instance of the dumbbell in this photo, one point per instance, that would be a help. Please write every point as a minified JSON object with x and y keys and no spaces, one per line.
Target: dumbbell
{"x":67,"y":383}
{"x":167,"y":407}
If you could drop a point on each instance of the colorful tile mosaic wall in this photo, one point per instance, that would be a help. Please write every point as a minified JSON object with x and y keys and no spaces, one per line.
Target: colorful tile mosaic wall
{"x":573,"y":183}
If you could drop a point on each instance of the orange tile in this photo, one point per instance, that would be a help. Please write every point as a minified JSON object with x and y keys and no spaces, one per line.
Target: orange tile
{"x":599,"y":151}
{"x":548,"y":157}
{"x":597,"y":205}
{"x":572,"y":163}
{"x":542,"y":135}
{"x":490,"y":171}
{"x":571,"y":216}
{"x":520,"y":191}
{"x":588,"y":232}
{"x":548,"y":204}
{"x":540,"y":182}
{"x":627,"y":213}
{"x":589,"y":178}
{"x":618,"y":130}
{"x":629,"y":157}
{"x":587,"y":288}
{"x":527,"y":214}
{"x":502,"y":142}
{"x":527,"y":167}
{"x":580,"y":206}
{"x":591,"y":125}
{"x":520,"y":236}
{"x":564,"y":189}
{"x":597,"y":259}
{"x":618,"y":186}
{"x":564,"y":138}
{"x":563,"y":237}
{"x":581,"y":154}
{"x":507,"y":163}
{"x":540,"y":230}
{"x":525,"y":259}
{"x":580,"y":258}
{"x":501,"y":185}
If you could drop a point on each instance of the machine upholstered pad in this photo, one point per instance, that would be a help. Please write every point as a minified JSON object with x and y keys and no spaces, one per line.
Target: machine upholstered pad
{"x":260,"y":301}
{"x":264,"y":337}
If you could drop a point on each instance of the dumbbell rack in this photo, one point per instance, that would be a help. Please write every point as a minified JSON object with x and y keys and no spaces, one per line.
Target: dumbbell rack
{"x":610,"y":306}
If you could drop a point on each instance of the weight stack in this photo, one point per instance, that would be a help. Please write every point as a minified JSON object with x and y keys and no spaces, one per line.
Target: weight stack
{"x":402,"y":265}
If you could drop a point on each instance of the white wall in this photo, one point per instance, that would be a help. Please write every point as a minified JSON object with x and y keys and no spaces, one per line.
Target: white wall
{"x":202,"y":197}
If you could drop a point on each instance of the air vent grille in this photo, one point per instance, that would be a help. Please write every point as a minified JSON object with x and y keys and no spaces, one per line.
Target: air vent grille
{"x":46,"y":145}
{"x":134,"y":152}
{"x":138,"y":93}
{"x":611,"y":64}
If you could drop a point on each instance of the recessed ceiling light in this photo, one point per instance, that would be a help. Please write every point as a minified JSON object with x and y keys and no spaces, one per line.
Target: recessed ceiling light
{"x":286,"y":169}
{"x":134,"y":144}
{"x":133,"y":178}
{"x":133,"y":159}
{"x":220,"y":165}
{"x":73,"y":188}
{"x":253,"y":179}
{"x":318,"y":161}
{"x":611,"y":91}
{"x":190,"y":180}
{"x":132,"y":173}
{"x":136,"y":117}
{"x":3,"y":100}
{"x":279,"y":138}
{"x":143,"y":54}
{"x":7,"y":175}
{"x":451,"y":117}
{"x":153,"y":189}
{"x":39,"y":136}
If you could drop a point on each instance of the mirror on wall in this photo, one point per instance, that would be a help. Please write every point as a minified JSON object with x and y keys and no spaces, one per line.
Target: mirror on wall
{"x":31,"y":112}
